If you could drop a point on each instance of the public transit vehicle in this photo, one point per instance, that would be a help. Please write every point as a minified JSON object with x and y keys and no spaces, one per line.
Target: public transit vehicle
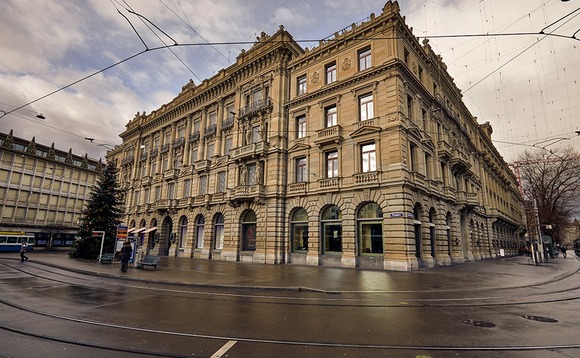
{"x":577,"y":247}
{"x":12,"y":240}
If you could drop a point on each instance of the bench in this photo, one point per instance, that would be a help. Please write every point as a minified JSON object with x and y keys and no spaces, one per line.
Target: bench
{"x":149,"y":261}
{"x":106,"y":258}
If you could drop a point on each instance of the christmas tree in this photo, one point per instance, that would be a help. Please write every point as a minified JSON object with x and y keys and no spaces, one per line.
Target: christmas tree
{"x":102,"y":213}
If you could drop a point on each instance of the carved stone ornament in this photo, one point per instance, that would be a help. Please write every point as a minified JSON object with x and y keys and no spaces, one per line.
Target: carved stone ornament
{"x":346,"y":63}
{"x":315,"y":77}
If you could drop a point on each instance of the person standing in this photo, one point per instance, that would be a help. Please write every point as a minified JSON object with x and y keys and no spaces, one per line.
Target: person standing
{"x":126,"y":251}
{"x":23,"y":250}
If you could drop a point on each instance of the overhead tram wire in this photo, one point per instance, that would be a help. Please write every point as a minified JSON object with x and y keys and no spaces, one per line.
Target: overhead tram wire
{"x":252,"y":43}
{"x":194,"y":31}
{"x":143,"y":19}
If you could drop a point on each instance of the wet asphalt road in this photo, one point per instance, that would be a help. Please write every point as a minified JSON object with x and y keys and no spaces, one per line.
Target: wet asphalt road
{"x":498,"y":308}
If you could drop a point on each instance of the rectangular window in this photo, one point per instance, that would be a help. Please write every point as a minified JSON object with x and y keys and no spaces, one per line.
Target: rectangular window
{"x":196,"y":126}
{"x":332,"y":164}
{"x":364,"y":59}
{"x":406,"y":56}
{"x":136,"y":198}
{"x":221,"y":182}
{"x":157,"y":193}
{"x":193,"y":155}
{"x":154,"y":166}
{"x":181,"y":132}
{"x":210,"y":150}
{"x":369,"y":158}
{"x":410,"y":107}
{"x":212,"y":118}
{"x":427,"y":166}
{"x":331,"y":116}
{"x":186,"y":188}
{"x":301,"y":85}
{"x":366,"y":106}
{"x":412,"y":158}
{"x":165,"y":162}
{"x":170,"y":190}
{"x":251,"y":174}
{"x":301,"y":170}
{"x":228,"y":145}
{"x":256,"y":134}
{"x":147,"y":196}
{"x":203,"y":185}
{"x":330,"y":70}
{"x":300,"y":126}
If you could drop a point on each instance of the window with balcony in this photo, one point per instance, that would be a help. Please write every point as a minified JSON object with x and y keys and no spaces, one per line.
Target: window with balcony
{"x":332,"y":164}
{"x":301,"y":126}
{"x":369,"y":158}
{"x":212,"y":118}
{"x":301,"y":174}
{"x":331,"y":116}
{"x":364,"y":59}
{"x":301,"y":85}
{"x":330,"y":70}
{"x":366,"y":107}
{"x":251,"y":180}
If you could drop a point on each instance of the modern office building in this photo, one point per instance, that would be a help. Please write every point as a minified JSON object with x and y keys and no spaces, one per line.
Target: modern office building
{"x":358,"y":152}
{"x":43,"y":190}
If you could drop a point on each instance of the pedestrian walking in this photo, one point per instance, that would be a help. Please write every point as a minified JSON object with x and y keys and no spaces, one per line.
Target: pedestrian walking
{"x":23,"y":250}
{"x":126,"y":251}
{"x":563,"y":249}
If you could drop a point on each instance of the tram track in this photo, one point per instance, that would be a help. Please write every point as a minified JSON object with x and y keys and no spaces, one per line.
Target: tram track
{"x":373,"y":299}
{"x":554,"y":295}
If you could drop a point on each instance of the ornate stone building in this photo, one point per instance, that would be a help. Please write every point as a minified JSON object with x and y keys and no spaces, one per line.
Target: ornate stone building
{"x":356,"y":153}
{"x":43,"y":190}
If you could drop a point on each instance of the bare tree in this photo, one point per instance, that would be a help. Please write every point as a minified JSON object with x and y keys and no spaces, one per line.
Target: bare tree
{"x":552,"y":178}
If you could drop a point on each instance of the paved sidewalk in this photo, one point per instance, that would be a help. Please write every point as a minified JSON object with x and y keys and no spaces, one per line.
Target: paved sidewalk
{"x":507,"y":272}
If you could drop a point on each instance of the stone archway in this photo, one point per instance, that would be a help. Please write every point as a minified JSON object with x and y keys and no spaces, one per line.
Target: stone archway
{"x":165,"y":237}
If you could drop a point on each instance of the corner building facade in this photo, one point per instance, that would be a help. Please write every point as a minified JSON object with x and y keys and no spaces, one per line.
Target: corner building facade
{"x":356,"y":153}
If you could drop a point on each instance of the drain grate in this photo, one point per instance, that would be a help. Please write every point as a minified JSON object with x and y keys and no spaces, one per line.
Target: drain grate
{"x":541,"y":319}
{"x":478,"y":323}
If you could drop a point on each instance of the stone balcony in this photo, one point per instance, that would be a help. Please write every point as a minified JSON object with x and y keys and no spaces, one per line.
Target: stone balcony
{"x":253,"y":150}
{"x":329,"y":135}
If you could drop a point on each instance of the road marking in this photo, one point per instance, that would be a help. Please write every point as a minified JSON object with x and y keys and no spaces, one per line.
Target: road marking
{"x":226,"y":347}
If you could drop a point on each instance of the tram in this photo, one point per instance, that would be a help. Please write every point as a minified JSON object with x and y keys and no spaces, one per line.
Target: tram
{"x":11,"y":241}
{"x":577,"y":247}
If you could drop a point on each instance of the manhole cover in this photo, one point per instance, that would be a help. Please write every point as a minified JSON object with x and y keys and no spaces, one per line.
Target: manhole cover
{"x":478,"y":323}
{"x":541,"y":319}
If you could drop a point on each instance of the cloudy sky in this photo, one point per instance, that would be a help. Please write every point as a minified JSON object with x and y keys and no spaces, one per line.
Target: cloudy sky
{"x":526,"y":86}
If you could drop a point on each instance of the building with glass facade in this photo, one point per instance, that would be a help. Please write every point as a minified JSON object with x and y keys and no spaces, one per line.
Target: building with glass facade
{"x":43,"y":190}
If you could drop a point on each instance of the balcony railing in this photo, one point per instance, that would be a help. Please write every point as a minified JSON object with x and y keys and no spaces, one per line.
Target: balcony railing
{"x":128,"y":160}
{"x":256,"y":106}
{"x":329,"y":183}
{"x":210,"y":131}
{"x":227,"y":123}
{"x":297,"y":187}
{"x":154,"y":152}
{"x":327,"y":135}
{"x":194,"y":137}
{"x":366,"y":178}
{"x":164,"y":148}
{"x":178,"y":142}
{"x":143,"y":156}
{"x":253,"y":149}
